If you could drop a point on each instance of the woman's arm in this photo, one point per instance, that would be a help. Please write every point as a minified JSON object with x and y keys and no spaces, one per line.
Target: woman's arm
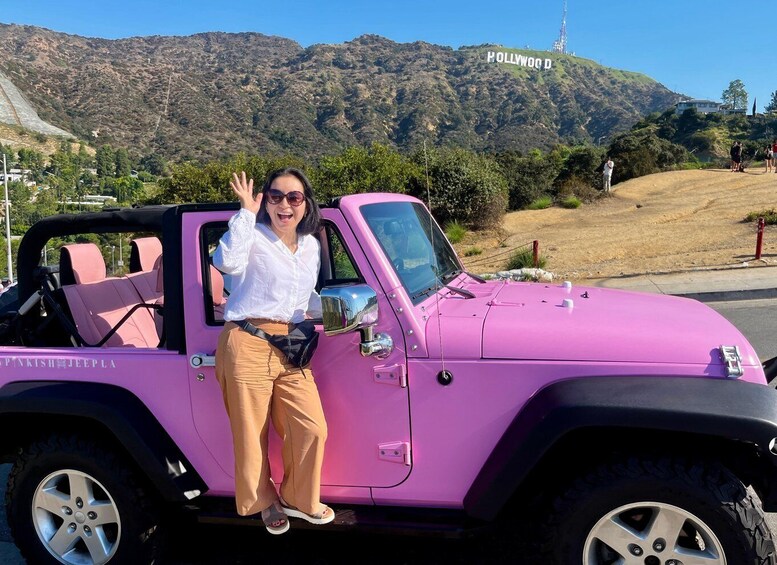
{"x":231,"y":256}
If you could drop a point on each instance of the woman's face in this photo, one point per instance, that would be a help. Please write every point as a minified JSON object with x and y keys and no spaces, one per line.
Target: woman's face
{"x":284,"y":216}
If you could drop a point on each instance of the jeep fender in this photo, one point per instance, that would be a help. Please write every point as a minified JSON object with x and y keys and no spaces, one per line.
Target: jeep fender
{"x":121,"y":413}
{"x":735,"y":410}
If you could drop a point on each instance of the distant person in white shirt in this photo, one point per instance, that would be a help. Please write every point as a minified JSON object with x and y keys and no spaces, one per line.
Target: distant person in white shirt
{"x":607,"y":173}
{"x":274,"y":261}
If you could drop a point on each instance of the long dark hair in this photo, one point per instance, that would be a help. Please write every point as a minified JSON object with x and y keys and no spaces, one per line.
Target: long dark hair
{"x":311,"y":219}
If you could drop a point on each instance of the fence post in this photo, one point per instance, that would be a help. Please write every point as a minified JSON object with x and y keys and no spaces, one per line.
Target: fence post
{"x":760,"y":239}
{"x":535,"y":250}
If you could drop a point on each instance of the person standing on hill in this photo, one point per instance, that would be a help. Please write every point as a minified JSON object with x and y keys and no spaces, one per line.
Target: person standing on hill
{"x":774,"y":155}
{"x":607,"y":174}
{"x":769,"y":153}
{"x":736,"y":156}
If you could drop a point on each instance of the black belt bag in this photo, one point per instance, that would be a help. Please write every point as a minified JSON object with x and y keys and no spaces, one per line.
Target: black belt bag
{"x":298,"y":346}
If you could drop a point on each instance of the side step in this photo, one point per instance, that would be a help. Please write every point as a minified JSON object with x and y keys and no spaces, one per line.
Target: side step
{"x":389,"y":520}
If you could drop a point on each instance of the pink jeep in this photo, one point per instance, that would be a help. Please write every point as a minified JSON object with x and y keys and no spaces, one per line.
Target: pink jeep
{"x":633,"y":424}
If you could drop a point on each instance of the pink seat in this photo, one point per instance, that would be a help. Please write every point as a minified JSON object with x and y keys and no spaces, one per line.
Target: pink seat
{"x":99,"y":303}
{"x":144,"y":253}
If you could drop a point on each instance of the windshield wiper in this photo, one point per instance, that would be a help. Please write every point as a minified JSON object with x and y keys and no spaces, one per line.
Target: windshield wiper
{"x":462,"y":291}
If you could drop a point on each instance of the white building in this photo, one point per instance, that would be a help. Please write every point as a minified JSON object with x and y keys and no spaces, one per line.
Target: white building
{"x":707,"y":107}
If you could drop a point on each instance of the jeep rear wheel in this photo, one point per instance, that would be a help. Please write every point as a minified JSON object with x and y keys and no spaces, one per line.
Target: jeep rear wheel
{"x":658,"y":512}
{"x":71,"y":501}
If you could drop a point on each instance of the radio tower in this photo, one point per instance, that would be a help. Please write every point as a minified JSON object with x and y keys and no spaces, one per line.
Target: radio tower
{"x":560,"y":45}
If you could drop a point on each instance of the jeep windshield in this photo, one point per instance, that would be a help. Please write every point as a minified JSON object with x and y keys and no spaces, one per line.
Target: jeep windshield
{"x":419,"y":252}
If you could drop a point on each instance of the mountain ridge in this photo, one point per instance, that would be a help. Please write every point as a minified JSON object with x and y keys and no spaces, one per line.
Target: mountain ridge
{"x":215,"y":93}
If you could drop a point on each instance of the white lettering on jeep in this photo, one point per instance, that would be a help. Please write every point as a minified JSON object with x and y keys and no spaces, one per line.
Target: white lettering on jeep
{"x":59,"y":363}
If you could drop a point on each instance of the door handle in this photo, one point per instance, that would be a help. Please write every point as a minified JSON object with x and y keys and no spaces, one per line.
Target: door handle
{"x":202,"y":360}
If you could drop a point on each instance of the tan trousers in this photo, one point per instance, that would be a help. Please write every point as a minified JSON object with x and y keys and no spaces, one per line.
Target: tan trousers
{"x":258,"y":385}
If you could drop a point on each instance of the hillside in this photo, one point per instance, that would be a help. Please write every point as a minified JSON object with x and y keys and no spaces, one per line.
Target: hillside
{"x":211,"y":94}
{"x":658,"y":223}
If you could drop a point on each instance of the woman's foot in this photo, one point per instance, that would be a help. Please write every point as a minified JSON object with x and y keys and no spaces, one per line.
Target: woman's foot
{"x":319,"y":518}
{"x":275,"y":520}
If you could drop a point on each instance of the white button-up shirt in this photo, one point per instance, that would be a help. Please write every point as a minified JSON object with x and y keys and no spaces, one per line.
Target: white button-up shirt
{"x":268,"y":280}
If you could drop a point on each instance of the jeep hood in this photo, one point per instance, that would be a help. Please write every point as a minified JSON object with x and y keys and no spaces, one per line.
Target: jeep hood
{"x":531,"y":321}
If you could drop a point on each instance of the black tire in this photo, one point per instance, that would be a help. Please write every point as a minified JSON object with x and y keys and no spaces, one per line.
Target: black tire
{"x":89,"y":507}
{"x":702,"y":505}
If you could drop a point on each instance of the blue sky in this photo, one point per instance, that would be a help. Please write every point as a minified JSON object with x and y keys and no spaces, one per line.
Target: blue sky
{"x":694,"y":48}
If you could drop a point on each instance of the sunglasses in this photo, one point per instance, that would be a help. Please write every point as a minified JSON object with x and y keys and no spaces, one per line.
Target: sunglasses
{"x":294,"y":198}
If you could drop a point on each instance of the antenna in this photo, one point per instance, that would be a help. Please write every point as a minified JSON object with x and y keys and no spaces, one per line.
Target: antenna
{"x":435,"y":267}
{"x":560,"y":45}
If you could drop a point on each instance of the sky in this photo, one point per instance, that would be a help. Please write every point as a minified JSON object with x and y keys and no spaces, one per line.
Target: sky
{"x":693,"y":48}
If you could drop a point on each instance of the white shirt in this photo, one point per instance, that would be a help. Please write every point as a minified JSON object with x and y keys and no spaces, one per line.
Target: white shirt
{"x":608,"y":167}
{"x":269,"y":281}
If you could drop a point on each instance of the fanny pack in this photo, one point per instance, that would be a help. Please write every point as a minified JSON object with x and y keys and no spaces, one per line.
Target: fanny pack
{"x":298,"y":346}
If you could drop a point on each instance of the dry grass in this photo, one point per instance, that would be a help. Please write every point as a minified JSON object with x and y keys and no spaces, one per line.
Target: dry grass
{"x":659,"y":223}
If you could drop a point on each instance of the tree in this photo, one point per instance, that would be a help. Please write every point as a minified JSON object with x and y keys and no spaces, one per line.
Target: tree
{"x":106,"y":164}
{"x":772,"y":105}
{"x":735,"y":95}
{"x":123,"y":166}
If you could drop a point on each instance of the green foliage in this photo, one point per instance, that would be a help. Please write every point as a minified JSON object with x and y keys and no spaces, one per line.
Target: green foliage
{"x":769,"y":216}
{"x":123,"y":166}
{"x":105,"y":161}
{"x":455,"y":232}
{"x":642,"y":152}
{"x":465,"y":187}
{"x":772,"y":105}
{"x":528,"y":177}
{"x":571,"y":202}
{"x":358,"y":169}
{"x":523,"y":258}
{"x":540,"y":203}
{"x":735,"y":95}
{"x":128,"y":190}
{"x":472,"y":251}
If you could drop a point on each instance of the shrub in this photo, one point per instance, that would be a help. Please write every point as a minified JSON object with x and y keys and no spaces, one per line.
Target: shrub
{"x":472,"y":251}
{"x":524,"y":259}
{"x":465,"y":187}
{"x":455,"y":232}
{"x":571,"y":202}
{"x":770,"y":216}
{"x":578,"y":188}
{"x":541,"y":203}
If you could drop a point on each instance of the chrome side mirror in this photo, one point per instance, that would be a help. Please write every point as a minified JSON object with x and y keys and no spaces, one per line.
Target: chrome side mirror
{"x":348,"y":307}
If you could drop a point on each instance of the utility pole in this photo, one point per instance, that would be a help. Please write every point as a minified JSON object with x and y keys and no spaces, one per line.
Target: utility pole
{"x":7,"y":221}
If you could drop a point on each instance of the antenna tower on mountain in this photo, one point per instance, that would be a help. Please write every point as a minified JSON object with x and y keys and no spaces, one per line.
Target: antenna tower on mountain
{"x":560,"y":45}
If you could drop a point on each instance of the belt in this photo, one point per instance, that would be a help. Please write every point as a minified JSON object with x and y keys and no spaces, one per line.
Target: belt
{"x":247,"y":326}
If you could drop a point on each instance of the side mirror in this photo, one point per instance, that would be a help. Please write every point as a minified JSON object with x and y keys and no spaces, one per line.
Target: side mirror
{"x":348,"y":307}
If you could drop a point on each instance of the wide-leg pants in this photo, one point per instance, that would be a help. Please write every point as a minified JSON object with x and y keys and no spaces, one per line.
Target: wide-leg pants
{"x":258,"y":386}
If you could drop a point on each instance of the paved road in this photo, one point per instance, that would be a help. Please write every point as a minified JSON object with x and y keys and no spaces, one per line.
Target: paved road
{"x":210,"y":545}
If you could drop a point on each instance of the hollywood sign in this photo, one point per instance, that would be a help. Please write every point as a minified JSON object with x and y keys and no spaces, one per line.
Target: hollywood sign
{"x":518,"y":60}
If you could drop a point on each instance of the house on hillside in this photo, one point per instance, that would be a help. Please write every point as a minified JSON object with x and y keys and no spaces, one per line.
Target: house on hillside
{"x":22,"y":175}
{"x":707,"y":107}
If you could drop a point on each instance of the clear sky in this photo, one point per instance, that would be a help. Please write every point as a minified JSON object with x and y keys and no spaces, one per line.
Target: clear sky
{"x":694,"y":48}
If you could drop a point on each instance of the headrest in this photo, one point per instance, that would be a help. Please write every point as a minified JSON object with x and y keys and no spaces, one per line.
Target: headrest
{"x":80,"y":263}
{"x":144,"y":252}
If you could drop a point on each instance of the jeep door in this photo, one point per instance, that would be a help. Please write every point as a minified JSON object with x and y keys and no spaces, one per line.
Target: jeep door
{"x":365,"y":399}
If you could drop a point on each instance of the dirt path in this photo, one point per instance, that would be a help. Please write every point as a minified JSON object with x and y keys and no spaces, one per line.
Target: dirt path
{"x":659,"y":223}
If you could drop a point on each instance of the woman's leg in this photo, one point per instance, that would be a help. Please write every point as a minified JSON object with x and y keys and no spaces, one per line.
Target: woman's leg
{"x":299,"y":420}
{"x":243,"y":371}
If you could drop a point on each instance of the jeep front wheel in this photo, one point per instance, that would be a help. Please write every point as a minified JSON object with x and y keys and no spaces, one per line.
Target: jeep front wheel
{"x":658,"y":512}
{"x":71,"y":501}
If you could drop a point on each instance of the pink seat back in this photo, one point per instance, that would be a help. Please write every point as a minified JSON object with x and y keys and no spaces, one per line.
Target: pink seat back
{"x":98,"y":303}
{"x":144,"y":252}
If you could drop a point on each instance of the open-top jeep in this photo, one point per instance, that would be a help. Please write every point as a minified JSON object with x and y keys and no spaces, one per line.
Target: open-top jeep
{"x":634,"y":424}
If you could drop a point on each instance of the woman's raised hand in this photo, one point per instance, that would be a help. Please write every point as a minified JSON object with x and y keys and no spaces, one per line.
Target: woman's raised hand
{"x":244,"y":189}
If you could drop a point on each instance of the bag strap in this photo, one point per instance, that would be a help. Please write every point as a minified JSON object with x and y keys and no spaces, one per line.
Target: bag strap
{"x":247,"y":326}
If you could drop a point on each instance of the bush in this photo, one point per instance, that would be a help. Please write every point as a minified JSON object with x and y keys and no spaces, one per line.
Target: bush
{"x":455,"y":232}
{"x":465,"y":187}
{"x":524,"y":259}
{"x":770,"y":216}
{"x":541,"y":203}
{"x":578,"y":188}
{"x":571,"y":202}
{"x":472,"y":251}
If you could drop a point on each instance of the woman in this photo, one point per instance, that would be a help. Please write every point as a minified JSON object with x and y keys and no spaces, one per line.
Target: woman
{"x":274,"y":261}
{"x":768,"y":157}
